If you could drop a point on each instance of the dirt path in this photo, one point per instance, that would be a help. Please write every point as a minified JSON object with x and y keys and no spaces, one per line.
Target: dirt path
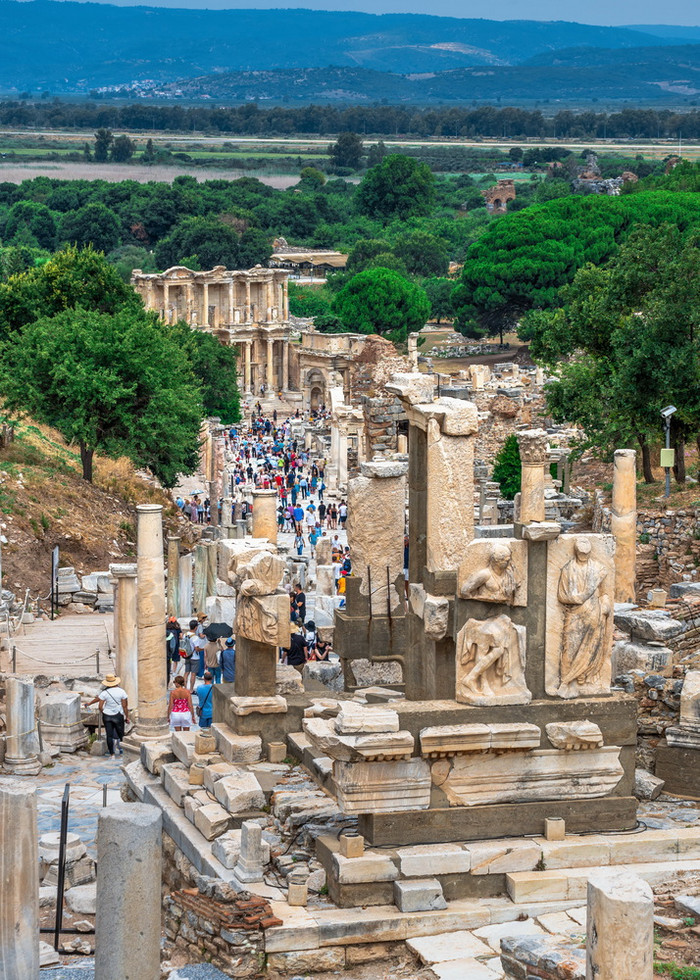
{"x":15,"y":173}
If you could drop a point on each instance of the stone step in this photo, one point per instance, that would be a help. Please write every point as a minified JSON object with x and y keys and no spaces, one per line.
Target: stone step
{"x":237,"y":749}
{"x":176,"y":781}
{"x":571,"y":883}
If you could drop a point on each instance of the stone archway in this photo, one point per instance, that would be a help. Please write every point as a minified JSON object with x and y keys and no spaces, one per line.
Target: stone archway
{"x":315,"y":398}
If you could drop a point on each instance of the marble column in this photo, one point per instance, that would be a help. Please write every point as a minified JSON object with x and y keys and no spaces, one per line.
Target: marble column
{"x":619,"y":927}
{"x":247,"y":344}
{"x":126,"y":631}
{"x":413,"y":350}
{"x":227,"y":512}
{"x":166,"y":301}
{"x":376,"y":505}
{"x":247,"y":301}
{"x":189,"y":301}
{"x":173,"y":596}
{"x":533,"y":456}
{"x":265,"y":514}
{"x":270,"y":365}
{"x":22,"y":739}
{"x":213,"y":492}
{"x":285,"y":364}
{"x":185,"y":588}
{"x":623,"y":523}
{"x":201,"y":561}
{"x":150,"y":606}
{"x":19,"y":861}
{"x":286,"y":299}
{"x":230,"y":302}
{"x":129,"y":874}
{"x":205,"y":305}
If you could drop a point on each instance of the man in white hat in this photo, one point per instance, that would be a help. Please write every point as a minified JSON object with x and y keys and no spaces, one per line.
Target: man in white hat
{"x":114,"y":706}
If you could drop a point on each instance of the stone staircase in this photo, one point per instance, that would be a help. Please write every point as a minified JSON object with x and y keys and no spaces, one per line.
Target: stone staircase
{"x":519,"y":886}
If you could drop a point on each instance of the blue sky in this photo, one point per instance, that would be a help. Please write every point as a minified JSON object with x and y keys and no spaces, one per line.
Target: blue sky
{"x":593,"y":12}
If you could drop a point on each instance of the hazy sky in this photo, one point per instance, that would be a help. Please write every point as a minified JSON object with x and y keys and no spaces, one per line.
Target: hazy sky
{"x":592,"y":12}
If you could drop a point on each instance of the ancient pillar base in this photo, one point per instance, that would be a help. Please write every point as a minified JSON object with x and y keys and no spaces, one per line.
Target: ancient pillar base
{"x":261,"y":705}
{"x":22,"y":767}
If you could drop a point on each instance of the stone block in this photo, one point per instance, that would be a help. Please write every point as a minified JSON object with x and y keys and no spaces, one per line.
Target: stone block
{"x":635,"y":655}
{"x":681,"y":589}
{"x":525,"y":887}
{"x":288,"y":680}
{"x":448,"y":946}
{"x":212,"y":774}
{"x":176,"y":781}
{"x":356,"y":719}
{"x":239,"y":792}
{"x":649,"y":624}
{"x":314,"y":960}
{"x":501,"y":857}
{"x":204,"y":743}
{"x":382,"y":787}
{"x":419,"y":895}
{"x":576,"y":852}
{"x":237,"y":749}
{"x":370,"y":867}
{"x":319,"y":674}
{"x":620,"y":928}
{"x":493,"y":934}
{"x":559,"y":924}
{"x":647,"y":786}
{"x":433,"y":859}
{"x":360,"y":747}
{"x":183,"y":747}
{"x":688,"y":904}
{"x":155,"y":755}
{"x":211,"y":820}
{"x":276,"y":751}
{"x":466,"y":968}
{"x":82,"y":899}
{"x":554,"y":828}
{"x":352,"y":845}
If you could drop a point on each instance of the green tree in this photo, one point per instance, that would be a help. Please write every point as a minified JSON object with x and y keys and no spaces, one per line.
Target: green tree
{"x":116,"y":384}
{"x":626,"y":343}
{"x":71,"y":278}
{"x":214,"y":366}
{"x":376,"y":153}
{"x":311,"y":179}
{"x":148,"y":155}
{"x":94,"y":224}
{"x":254,"y":248}
{"x":346,"y":151}
{"x":126,"y":258}
{"x":36,"y":218}
{"x":382,"y":301}
{"x":507,"y":468}
{"x":399,"y":186}
{"x":103,"y":141}
{"x":122,"y":149}
{"x":363,"y":251}
{"x":439,"y":292}
{"x":423,"y":254}
{"x":308,"y":302}
{"x":213,"y":242}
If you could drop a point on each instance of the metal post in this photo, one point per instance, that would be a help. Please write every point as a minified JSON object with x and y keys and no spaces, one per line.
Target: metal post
{"x":97,"y":660}
{"x":65,"y":803}
{"x":104,"y":795}
{"x":369,"y":590}
{"x":667,"y":426}
{"x":14,"y":659}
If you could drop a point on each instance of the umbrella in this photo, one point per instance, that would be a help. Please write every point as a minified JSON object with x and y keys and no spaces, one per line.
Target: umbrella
{"x":215,"y":630}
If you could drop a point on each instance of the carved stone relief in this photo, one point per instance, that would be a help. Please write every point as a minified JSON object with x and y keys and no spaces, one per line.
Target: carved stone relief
{"x":494,"y":571}
{"x":264,"y":619}
{"x":491,"y":662}
{"x":580,"y":599}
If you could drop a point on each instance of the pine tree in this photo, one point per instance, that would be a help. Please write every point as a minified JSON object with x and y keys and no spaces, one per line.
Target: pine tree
{"x":507,"y":468}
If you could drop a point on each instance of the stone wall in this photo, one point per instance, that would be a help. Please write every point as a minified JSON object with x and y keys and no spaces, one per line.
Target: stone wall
{"x":668,"y":543}
{"x":382,"y":415}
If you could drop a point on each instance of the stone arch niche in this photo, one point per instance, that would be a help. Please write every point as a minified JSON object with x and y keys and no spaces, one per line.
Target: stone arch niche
{"x":315,"y":389}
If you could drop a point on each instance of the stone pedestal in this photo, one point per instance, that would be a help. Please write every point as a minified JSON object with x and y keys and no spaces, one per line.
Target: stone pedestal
{"x":125,"y":629}
{"x":173,"y":595}
{"x":21,"y":740}
{"x":620,"y":927}
{"x":19,"y":861}
{"x":60,"y":721}
{"x":533,"y":455}
{"x":623,"y":523}
{"x":185,"y":588}
{"x":265,"y":514}
{"x":150,"y":605}
{"x":256,"y":668}
{"x":129,"y":872}
{"x":250,"y":861}
{"x":376,"y":504}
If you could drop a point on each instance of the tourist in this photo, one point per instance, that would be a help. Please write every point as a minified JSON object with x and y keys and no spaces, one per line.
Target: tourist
{"x":298,"y":518}
{"x":299,"y":543}
{"x":190,"y":654}
{"x":405,"y":564}
{"x":180,"y":706}
{"x":298,"y":605}
{"x":200,"y":641}
{"x":205,"y":696}
{"x":297,"y":651}
{"x":114,"y":706}
{"x":212,"y":651}
{"x":228,"y":661}
{"x":172,"y":644}
{"x":342,"y":514}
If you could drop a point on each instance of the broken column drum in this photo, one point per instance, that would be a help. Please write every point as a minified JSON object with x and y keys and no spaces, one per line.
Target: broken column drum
{"x":265,"y":514}
{"x":19,"y":861}
{"x":623,"y":523}
{"x":22,"y":739}
{"x":126,"y":630}
{"x":150,"y":605}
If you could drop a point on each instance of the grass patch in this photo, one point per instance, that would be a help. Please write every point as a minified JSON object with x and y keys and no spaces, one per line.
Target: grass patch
{"x":677,"y":972}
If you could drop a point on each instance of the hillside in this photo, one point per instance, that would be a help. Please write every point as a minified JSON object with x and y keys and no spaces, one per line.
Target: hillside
{"x":44,"y":502}
{"x":67,"y":46}
{"x":656,"y":74}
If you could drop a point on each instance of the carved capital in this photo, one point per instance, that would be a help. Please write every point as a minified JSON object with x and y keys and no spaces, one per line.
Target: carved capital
{"x":533,"y":444}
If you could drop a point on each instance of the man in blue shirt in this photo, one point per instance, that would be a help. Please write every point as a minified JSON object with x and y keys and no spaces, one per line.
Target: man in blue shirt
{"x":228,"y":661}
{"x":205,"y":697}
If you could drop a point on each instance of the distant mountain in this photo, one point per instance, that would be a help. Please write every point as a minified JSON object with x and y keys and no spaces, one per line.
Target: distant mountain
{"x":668,"y":32}
{"x":647,"y":75}
{"x":67,"y":46}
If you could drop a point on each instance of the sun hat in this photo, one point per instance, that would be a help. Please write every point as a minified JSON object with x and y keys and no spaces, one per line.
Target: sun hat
{"x":230,"y":641}
{"x":111,"y":680}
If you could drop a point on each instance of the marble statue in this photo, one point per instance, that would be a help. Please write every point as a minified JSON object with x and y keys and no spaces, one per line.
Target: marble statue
{"x":491,"y":662}
{"x":496,"y":582}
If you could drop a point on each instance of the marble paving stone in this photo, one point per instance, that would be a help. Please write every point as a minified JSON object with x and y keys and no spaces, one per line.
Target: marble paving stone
{"x":493,"y":934}
{"x":559,"y":924}
{"x":464,"y":969}
{"x":448,"y":946}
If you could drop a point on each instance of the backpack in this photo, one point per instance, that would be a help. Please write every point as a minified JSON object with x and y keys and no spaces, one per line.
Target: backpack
{"x":187,"y":646}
